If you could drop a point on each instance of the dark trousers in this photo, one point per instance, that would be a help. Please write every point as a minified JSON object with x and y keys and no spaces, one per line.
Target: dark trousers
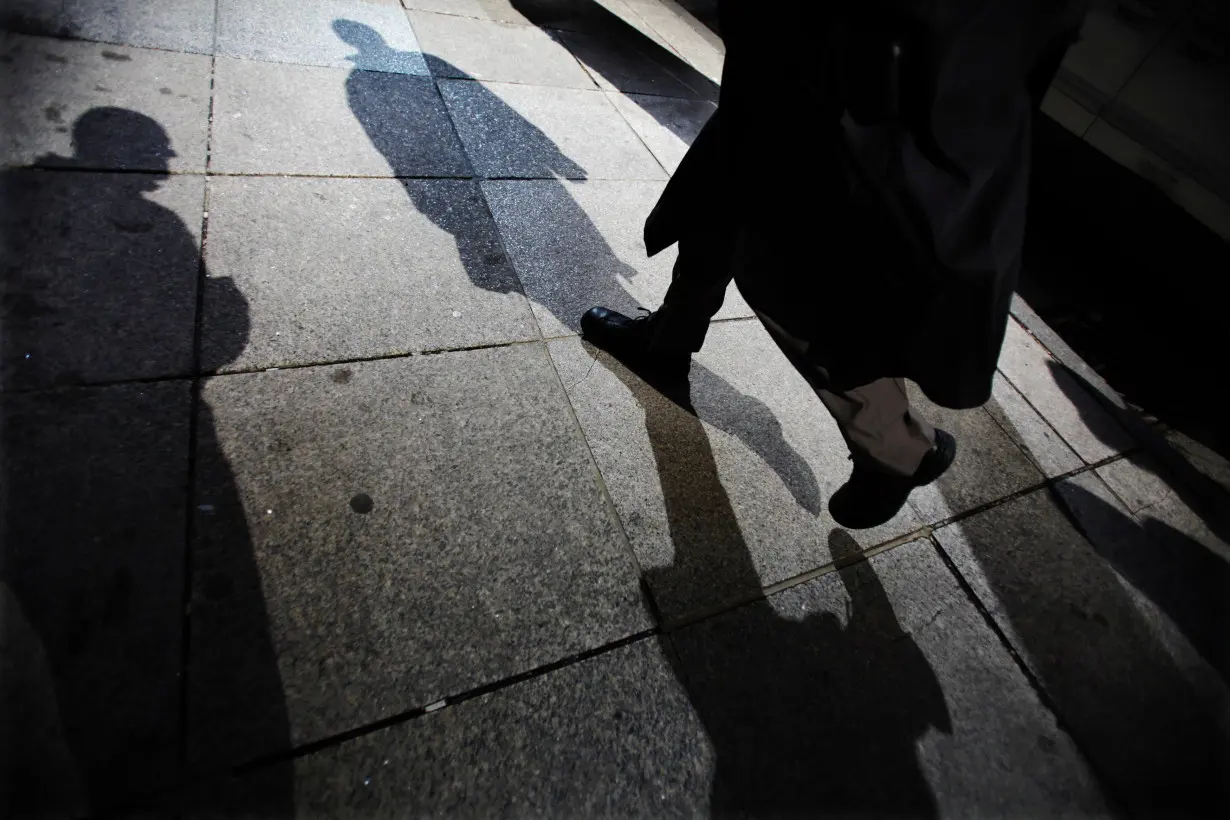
{"x":876,"y":419}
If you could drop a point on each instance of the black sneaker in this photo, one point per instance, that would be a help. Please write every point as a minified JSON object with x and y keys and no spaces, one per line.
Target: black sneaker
{"x":872,"y":496}
{"x":632,"y":342}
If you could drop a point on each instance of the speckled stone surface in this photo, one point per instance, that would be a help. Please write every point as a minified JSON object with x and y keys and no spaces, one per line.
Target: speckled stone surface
{"x":46,"y":86}
{"x":1067,"y":406}
{"x":291,"y":119}
{"x":367,"y":34}
{"x":1174,"y":564}
{"x":625,"y":61}
{"x":612,"y":736}
{"x":567,"y":15}
{"x":100,"y":279}
{"x":342,"y":269}
{"x":173,"y":25}
{"x":93,"y":491}
{"x":576,"y":245}
{"x":502,"y":52}
{"x":876,"y":691}
{"x":721,"y":503}
{"x":533,"y":132}
{"x":989,"y":464}
{"x":683,"y":34}
{"x":1095,"y":644}
{"x":487,"y":548}
{"x":1045,"y":448}
{"x":668,"y":126}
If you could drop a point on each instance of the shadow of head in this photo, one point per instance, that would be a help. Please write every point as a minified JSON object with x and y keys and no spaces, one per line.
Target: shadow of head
{"x":110,"y":136}
{"x":373,"y":53}
{"x":362,"y":37}
{"x":386,"y":94}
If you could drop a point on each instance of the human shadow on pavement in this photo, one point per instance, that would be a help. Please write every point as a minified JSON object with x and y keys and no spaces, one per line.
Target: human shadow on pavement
{"x":1058,"y":566}
{"x":391,"y":111}
{"x":397,"y":112}
{"x":97,"y":322}
{"x":1184,"y":578}
{"x":807,"y":717}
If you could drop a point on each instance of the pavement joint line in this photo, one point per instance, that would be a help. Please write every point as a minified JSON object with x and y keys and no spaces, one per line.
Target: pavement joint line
{"x":76,"y":38}
{"x":1201,"y":493}
{"x":698,"y":97}
{"x":194,"y":411}
{"x":647,"y":597}
{"x":499,"y":234}
{"x":438,"y":78}
{"x":244,"y":174}
{"x":1046,"y":483}
{"x":628,"y":124}
{"x":925,"y":531}
{"x":438,"y":705}
{"x":1013,"y":438}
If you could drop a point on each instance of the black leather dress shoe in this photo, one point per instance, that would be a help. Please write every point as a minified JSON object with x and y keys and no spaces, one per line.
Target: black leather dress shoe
{"x":872,"y":496}
{"x":632,"y":341}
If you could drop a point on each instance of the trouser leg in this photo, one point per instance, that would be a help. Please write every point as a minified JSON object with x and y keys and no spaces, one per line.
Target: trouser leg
{"x":880,"y":425}
{"x":702,"y":273}
{"x":876,"y":419}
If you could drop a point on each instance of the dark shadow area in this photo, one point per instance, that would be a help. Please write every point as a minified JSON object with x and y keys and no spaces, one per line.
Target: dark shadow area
{"x":1054,"y":564}
{"x":99,"y":284}
{"x":620,"y":54}
{"x":1186,"y":580}
{"x":807,"y":718}
{"x":1131,"y":281}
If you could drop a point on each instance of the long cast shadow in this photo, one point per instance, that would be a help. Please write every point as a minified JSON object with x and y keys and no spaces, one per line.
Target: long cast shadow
{"x":99,"y":284}
{"x":794,"y":709}
{"x":394,"y":113}
{"x":1187,"y":580}
{"x":1060,"y":567}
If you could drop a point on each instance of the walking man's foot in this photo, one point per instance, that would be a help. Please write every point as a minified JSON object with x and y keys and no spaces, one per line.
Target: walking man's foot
{"x":872,"y":496}
{"x":632,"y":342}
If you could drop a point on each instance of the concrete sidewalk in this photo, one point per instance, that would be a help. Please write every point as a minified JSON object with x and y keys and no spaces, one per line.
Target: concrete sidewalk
{"x":314,"y":503}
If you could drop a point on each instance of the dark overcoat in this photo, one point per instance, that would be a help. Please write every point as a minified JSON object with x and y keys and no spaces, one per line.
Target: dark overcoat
{"x":890,"y":243}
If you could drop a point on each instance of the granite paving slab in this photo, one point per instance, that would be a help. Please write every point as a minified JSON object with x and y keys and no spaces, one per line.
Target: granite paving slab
{"x":368,"y":34}
{"x":537,"y":132}
{"x":575,"y":245}
{"x":336,"y":269}
{"x":876,"y":690}
{"x":726,"y":497}
{"x":667,"y":126}
{"x":622,"y":60}
{"x":172,"y":25}
{"x":684,"y":34}
{"x":291,"y":119}
{"x":1016,"y":417}
{"x":1095,"y":644}
{"x":567,"y":15}
{"x":373,"y":537}
{"x":1058,"y":396}
{"x":120,"y":104}
{"x":486,"y":50}
{"x":988,"y":467}
{"x":611,"y":736}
